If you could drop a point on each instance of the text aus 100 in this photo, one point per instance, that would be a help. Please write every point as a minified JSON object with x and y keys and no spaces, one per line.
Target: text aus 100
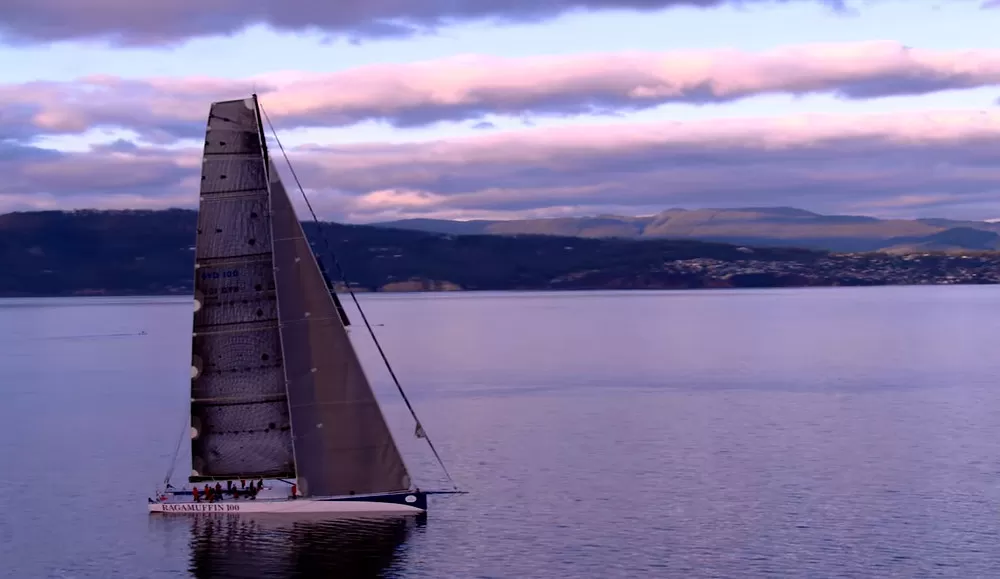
{"x":229,"y":274}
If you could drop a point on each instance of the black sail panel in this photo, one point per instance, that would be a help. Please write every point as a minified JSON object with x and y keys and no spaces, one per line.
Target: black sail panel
{"x":341,"y":440}
{"x":240,"y":424}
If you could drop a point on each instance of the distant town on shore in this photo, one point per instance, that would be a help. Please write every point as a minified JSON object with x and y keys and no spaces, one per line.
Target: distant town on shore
{"x":140,"y":252}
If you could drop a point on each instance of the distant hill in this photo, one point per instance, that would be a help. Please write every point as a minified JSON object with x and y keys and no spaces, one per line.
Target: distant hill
{"x":150,"y":252}
{"x":55,"y":253}
{"x":757,"y":226}
{"x":955,"y":238}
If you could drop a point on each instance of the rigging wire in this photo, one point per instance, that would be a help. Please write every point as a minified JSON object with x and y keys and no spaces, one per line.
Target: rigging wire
{"x":420,"y":432}
{"x":177,"y":451}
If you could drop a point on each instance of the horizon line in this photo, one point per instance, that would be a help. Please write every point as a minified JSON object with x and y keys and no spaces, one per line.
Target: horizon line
{"x":470,"y":220}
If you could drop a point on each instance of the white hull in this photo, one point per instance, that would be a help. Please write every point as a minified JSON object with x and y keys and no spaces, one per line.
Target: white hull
{"x":296,"y":506}
{"x":285,"y":506}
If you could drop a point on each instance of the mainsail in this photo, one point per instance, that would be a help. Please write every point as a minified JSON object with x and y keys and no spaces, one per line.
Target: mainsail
{"x":273,"y":367}
{"x":240,"y":423}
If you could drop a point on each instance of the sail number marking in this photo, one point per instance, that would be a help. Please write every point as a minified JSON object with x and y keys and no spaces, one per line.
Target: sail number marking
{"x":220,"y":274}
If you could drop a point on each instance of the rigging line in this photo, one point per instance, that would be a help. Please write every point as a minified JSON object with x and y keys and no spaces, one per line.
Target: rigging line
{"x":354,"y":298}
{"x":177,"y":451}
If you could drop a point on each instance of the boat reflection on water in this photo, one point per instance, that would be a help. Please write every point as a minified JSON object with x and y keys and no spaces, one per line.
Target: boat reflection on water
{"x":276,"y":546}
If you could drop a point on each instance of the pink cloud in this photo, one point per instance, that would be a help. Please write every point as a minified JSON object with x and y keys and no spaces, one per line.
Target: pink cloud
{"x":472,"y":87}
{"x":825,"y":162}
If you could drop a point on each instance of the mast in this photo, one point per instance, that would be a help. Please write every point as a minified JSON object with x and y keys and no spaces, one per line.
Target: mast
{"x":268,"y":167}
{"x":240,"y":419}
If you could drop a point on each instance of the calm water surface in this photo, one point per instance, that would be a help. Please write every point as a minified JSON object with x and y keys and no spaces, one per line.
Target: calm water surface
{"x":784,"y":433}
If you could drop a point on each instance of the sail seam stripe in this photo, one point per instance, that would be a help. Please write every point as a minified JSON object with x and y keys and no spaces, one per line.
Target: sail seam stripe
{"x":216,"y":404}
{"x":214,"y":301}
{"x":224,"y":371}
{"x":222,"y":199}
{"x":202,"y":260}
{"x":243,"y":190}
{"x":248,"y":261}
{"x":210,"y":198}
{"x":263,"y":297}
{"x":235,"y":262}
{"x":229,"y":324}
{"x":251,"y":155}
{"x":263,"y":399}
{"x":237,"y":330}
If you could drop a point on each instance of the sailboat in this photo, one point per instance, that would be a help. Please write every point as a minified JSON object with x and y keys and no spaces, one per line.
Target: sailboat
{"x":278,"y":392}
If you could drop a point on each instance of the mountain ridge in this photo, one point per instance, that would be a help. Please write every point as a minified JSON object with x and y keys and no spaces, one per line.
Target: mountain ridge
{"x":758,"y":226}
{"x":147,"y":252}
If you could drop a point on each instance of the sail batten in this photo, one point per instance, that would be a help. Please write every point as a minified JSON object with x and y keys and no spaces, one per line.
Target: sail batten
{"x":342,"y":443}
{"x":236,"y":343}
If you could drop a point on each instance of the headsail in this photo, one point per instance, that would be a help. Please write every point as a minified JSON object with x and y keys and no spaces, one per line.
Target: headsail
{"x":342,"y":443}
{"x":240,"y":423}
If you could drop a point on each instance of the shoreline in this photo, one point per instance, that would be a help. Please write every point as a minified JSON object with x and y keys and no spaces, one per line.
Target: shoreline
{"x":91,"y":294}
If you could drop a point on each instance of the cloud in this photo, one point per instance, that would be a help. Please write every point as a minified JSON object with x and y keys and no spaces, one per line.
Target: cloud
{"x":818,"y":160}
{"x":106,"y":171}
{"x":162,"y":110}
{"x":823,"y":162}
{"x":129,"y":22}
{"x":471,"y":88}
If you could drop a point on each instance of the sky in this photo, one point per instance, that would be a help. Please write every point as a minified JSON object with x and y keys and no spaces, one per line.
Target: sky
{"x":508,"y":109}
